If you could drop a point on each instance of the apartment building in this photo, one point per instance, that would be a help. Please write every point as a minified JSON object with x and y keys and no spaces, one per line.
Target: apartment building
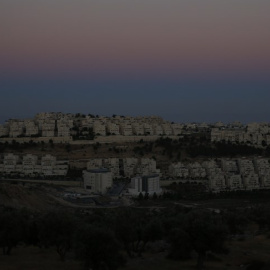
{"x":50,"y":166}
{"x":196,"y":170}
{"x":97,"y":180}
{"x":137,"y":129}
{"x":246,"y":166}
{"x":11,"y":163}
{"x":157,"y":129}
{"x":251,"y":181}
{"x":146,"y":166}
{"x":4,"y":130}
{"x":31,"y":128}
{"x":94,"y":163}
{"x":99,"y":128}
{"x":126,"y":129}
{"x":48,"y":163}
{"x":254,"y":133}
{"x":112,"y":164}
{"x":113,"y":129}
{"x":148,"y":129}
{"x":229,"y":166}
{"x":167,"y":129}
{"x":217,"y":181}
{"x":48,"y":127}
{"x":234,"y":182}
{"x":16,"y":128}
{"x":126,"y":167}
{"x":177,"y":129}
{"x":262,"y":168}
{"x":29,"y":164}
{"x":129,"y":166}
{"x":145,"y":184}
{"x":86,"y":122}
{"x":64,"y":125}
{"x":178,"y":170}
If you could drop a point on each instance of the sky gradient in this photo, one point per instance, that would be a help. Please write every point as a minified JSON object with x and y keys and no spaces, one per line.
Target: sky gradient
{"x":185,"y":60}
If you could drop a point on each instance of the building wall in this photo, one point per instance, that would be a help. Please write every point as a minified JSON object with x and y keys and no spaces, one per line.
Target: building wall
{"x":97,"y":181}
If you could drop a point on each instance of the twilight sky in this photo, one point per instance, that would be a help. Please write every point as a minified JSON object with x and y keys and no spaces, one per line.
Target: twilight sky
{"x":185,"y":60}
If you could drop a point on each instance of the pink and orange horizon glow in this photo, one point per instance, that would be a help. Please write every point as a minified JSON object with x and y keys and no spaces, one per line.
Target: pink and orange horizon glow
{"x":136,"y":40}
{"x":185,"y":37}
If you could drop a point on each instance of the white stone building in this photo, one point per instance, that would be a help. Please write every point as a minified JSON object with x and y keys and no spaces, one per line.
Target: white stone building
{"x":148,"y":129}
{"x":137,"y":129}
{"x":146,"y":166}
{"x":145,"y":184}
{"x":217,"y":181}
{"x":97,"y":180}
{"x":262,"y":168}
{"x":4,"y":130}
{"x":16,"y":128}
{"x":157,"y":129}
{"x":251,"y":181}
{"x":167,"y":129}
{"x":31,"y":128}
{"x":48,"y":127}
{"x":177,"y":129}
{"x":246,"y":166}
{"x":52,"y":167}
{"x":196,"y":170}
{"x":10,"y":163}
{"x":29,"y":164}
{"x":129,"y":166}
{"x":112,"y":164}
{"x":113,"y":129}
{"x":234,"y":182}
{"x":126,"y":129}
{"x":99,"y":129}
{"x":94,"y":163}
{"x":64,"y":125}
{"x":229,"y":166}
{"x":178,"y":170}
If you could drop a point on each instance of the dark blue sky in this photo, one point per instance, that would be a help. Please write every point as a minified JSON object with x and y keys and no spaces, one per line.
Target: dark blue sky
{"x":182,"y":100}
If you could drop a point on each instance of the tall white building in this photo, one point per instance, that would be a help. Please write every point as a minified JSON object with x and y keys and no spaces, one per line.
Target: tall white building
{"x":97,"y":180}
{"x":145,"y":184}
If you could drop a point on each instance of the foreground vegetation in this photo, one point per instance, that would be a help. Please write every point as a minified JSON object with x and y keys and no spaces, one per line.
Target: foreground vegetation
{"x":107,"y":238}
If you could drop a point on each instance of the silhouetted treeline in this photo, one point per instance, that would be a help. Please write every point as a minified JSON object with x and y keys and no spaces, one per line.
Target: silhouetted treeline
{"x":100,"y":238}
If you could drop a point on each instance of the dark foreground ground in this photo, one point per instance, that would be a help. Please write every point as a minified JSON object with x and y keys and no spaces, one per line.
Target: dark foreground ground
{"x":245,"y":252}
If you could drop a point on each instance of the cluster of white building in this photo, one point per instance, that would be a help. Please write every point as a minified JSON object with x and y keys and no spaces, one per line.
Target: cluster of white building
{"x":130,"y":126}
{"x":65,"y":125}
{"x":226,"y":174}
{"x":100,"y":181}
{"x":143,"y":173}
{"x":33,"y":166}
{"x":125,"y":167}
{"x":254,"y":133}
{"x":43,"y":125}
